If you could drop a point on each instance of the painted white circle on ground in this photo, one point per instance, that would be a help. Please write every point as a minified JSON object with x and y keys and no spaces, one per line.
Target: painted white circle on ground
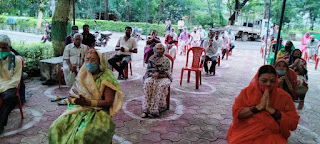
{"x":36,"y":118}
{"x":209,"y":76}
{"x":177,"y":112}
{"x":213,"y":89}
{"x":49,"y":91}
{"x":315,"y":135}
{"x":120,"y":140}
{"x":222,"y":65}
{"x":135,"y":77}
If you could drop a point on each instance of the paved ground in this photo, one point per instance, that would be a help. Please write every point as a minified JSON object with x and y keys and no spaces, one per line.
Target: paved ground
{"x":196,"y":116}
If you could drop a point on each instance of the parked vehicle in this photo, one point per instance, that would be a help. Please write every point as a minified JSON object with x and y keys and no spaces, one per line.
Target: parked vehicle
{"x":47,"y":32}
{"x":102,"y":38}
{"x":136,"y":33}
{"x":248,"y":30}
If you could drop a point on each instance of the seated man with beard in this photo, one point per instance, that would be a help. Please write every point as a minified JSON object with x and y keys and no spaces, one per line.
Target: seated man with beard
{"x":171,"y":43}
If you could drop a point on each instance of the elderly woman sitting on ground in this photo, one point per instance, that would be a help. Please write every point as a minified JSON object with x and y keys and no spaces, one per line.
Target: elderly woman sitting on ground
{"x":156,"y":82}
{"x":94,"y":97}
{"x":263,"y":113}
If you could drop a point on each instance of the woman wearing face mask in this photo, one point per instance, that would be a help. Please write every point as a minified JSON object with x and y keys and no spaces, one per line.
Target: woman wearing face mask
{"x":299,"y":65}
{"x":287,"y":78}
{"x":156,"y":82}
{"x":285,"y":52}
{"x":94,"y":97}
{"x":263,"y":113}
{"x":151,"y":42}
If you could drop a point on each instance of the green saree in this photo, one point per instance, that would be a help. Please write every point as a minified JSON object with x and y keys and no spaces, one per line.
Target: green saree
{"x":86,"y":124}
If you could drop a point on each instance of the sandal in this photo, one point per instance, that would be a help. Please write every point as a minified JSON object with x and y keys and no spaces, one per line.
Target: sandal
{"x":63,"y":102}
{"x":152,"y":115}
{"x":144,"y":115}
{"x":57,"y":98}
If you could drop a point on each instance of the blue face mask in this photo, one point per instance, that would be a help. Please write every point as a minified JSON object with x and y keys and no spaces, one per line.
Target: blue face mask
{"x":229,"y":31}
{"x":3,"y":54}
{"x":281,"y":72}
{"x":92,"y":67}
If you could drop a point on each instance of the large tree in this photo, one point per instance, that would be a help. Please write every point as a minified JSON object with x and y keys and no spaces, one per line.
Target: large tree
{"x":60,"y":21}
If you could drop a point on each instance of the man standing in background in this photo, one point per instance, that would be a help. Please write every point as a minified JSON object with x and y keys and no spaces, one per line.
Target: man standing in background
{"x":180,"y":26}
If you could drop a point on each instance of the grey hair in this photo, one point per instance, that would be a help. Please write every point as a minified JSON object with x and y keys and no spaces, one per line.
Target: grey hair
{"x":312,"y":36}
{"x":162,"y":45}
{"x":5,"y":39}
{"x":78,"y":34}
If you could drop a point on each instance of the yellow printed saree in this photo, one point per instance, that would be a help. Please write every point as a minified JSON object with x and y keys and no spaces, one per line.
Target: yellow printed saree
{"x":83,"y":124}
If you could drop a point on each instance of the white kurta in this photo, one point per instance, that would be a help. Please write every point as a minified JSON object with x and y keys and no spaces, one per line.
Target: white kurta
{"x":76,"y":57}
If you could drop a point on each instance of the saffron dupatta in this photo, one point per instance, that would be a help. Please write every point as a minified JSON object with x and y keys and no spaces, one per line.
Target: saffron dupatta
{"x":261,"y":127}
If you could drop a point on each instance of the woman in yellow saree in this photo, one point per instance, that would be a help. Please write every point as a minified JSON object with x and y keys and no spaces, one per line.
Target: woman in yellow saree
{"x":94,"y":97}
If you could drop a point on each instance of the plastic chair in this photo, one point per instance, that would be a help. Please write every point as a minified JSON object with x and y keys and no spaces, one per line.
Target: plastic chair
{"x":126,"y":69}
{"x":18,"y":95}
{"x":168,"y":96}
{"x":196,"y":64}
{"x":317,"y":62}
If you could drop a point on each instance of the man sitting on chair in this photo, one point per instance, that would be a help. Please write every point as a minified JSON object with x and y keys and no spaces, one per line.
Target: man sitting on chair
{"x":196,"y":38}
{"x":171,"y":42}
{"x":312,"y":46}
{"x":73,"y":57}
{"x":212,"y":54}
{"x":126,"y":46}
{"x":10,"y":76}
{"x":184,"y":40}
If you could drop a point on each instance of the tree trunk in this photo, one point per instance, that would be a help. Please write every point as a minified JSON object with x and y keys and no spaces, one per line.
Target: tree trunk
{"x":161,"y":11}
{"x":232,"y":19}
{"x":62,"y":15}
{"x":106,"y":7}
{"x":128,"y":10}
{"x":39,"y":21}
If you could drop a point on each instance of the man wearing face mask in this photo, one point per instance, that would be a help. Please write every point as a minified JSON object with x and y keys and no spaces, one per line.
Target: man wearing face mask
{"x":171,"y":43}
{"x":203,"y":34}
{"x":212,"y":53}
{"x":126,"y":46}
{"x":195,"y":38}
{"x":68,"y":39}
{"x":10,"y":76}
{"x":312,"y":46}
{"x":184,"y":40}
{"x":285,"y":52}
{"x":231,"y":36}
{"x":88,"y":38}
{"x":73,"y":57}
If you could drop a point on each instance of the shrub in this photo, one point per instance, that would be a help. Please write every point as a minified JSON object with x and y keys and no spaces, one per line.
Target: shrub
{"x":33,"y":53}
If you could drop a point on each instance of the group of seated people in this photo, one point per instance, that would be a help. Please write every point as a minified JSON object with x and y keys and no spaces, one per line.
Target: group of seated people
{"x":310,"y":45}
{"x":263,"y":112}
{"x":293,"y":70}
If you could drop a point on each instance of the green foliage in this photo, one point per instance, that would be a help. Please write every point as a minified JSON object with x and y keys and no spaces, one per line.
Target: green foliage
{"x":33,"y":53}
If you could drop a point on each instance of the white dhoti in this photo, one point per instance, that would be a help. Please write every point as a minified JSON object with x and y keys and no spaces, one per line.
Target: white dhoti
{"x":195,"y":44}
{"x":69,"y":77}
{"x":172,"y":51}
{"x":311,"y":51}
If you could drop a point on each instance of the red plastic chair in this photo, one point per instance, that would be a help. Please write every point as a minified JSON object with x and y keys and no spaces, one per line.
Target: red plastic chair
{"x":227,"y":53}
{"x":168,"y":96}
{"x":18,"y":95}
{"x":261,"y":51}
{"x":317,"y":62}
{"x":196,"y":64}
{"x":126,"y":71}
